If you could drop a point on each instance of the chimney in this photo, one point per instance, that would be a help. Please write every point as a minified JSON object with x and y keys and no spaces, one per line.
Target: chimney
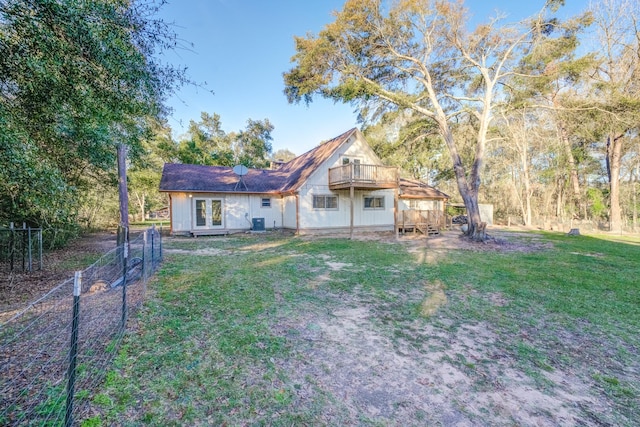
{"x":277,"y":164}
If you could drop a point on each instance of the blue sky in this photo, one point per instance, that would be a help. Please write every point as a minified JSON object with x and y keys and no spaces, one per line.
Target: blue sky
{"x":242,"y":47}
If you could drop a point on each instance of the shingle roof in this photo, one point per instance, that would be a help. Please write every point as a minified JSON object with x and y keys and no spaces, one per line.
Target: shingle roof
{"x":288,"y":178}
{"x":410,"y":188}
{"x":199,"y":178}
{"x":301,"y":168}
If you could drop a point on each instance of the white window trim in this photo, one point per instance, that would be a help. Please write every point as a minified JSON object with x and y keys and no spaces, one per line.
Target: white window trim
{"x":208,"y":201}
{"x":376,"y":208}
{"x":325,"y":204}
{"x":262,"y":205}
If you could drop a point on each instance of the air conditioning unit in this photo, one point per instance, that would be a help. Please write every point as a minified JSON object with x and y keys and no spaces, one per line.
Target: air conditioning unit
{"x":258,"y":224}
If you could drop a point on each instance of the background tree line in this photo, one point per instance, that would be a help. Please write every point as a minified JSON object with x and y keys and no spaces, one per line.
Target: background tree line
{"x":565,"y":144}
{"x":538,"y":117}
{"x":77,"y":78}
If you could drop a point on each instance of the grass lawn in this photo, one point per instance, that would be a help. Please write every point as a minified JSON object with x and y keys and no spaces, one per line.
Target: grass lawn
{"x":280,"y":330}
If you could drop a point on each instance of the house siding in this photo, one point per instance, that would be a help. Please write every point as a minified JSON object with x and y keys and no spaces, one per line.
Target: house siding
{"x":181,"y":215}
{"x":238,"y":211}
{"x":318,"y":184}
{"x":421,"y":204}
{"x":291,"y":190}
{"x":289,"y":212}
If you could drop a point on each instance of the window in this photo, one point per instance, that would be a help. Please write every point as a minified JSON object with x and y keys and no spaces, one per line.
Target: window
{"x":374,"y":202}
{"x":266,"y":203}
{"x":216,"y":212}
{"x":201,"y":213}
{"x":325,"y":202}
{"x":208,"y":213}
{"x":414,"y":204}
{"x":356,"y":165}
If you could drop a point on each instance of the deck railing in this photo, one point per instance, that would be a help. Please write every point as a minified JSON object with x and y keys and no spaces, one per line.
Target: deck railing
{"x":409,"y":218}
{"x":360,"y":175}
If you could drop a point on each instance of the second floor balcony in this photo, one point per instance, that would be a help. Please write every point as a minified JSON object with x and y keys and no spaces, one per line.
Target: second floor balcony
{"x":363,"y":176}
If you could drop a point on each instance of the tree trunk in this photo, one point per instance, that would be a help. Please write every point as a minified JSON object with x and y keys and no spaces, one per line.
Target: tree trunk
{"x":614,"y":156}
{"x":141,"y":199}
{"x":560,"y":185}
{"x":573,"y":169}
{"x":527,"y":186}
{"x":469,"y":193}
{"x":518,"y":193}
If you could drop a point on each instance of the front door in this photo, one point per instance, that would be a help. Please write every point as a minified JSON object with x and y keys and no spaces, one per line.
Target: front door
{"x":207,"y":213}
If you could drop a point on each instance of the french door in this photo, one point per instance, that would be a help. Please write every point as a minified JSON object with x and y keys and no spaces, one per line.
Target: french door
{"x":207,"y":213}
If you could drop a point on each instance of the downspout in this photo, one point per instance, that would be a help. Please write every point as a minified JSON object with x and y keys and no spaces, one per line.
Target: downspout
{"x":297,"y":214}
{"x":395,"y":211}
{"x":282,"y":211}
{"x":170,"y":214}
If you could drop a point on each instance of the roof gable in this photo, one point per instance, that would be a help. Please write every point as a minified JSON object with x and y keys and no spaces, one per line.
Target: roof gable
{"x":303,"y":166}
{"x":177,"y":177}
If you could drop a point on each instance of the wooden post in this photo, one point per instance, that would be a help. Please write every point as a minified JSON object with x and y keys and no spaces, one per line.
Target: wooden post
{"x":395,"y":211}
{"x":122,"y":190}
{"x":351,"y":196}
{"x":403,"y":222}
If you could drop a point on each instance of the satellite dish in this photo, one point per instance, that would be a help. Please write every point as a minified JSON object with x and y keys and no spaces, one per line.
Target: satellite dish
{"x":240,"y":170}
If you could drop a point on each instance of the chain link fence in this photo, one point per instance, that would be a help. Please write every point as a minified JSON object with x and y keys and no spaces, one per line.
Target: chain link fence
{"x":58,"y":349}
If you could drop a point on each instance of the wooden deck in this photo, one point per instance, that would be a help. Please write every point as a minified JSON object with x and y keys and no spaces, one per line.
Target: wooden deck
{"x":363,"y":176}
{"x":427,"y":222}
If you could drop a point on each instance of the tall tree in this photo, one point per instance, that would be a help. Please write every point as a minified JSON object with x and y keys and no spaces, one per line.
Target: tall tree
{"x":560,"y":73}
{"x":419,"y":55}
{"x":616,"y":89}
{"x":206,"y":143}
{"x":283,"y":155}
{"x":76,"y":79}
{"x":411,"y":142}
{"x":253,"y":145}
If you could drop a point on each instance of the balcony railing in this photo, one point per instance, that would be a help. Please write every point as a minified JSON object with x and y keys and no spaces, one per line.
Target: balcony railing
{"x":363,"y":176}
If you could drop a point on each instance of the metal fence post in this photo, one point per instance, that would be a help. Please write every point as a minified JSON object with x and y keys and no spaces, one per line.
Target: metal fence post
{"x":73,"y":350}
{"x":11,"y":244}
{"x":24,"y":244}
{"x":30,"y":253}
{"x":40,"y":247}
{"x":144,"y":256}
{"x":153,"y":229}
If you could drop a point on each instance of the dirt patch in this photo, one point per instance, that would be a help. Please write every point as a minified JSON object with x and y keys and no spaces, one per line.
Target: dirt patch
{"x":436,"y":298}
{"x":198,"y":252}
{"x":500,"y":240}
{"x":431,"y":375}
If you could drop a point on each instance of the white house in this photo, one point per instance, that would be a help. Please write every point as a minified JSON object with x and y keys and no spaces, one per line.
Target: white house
{"x":341,"y":185}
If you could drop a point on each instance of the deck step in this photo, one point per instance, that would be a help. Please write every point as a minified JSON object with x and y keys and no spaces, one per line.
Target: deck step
{"x":196,"y":233}
{"x":428,"y":229}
